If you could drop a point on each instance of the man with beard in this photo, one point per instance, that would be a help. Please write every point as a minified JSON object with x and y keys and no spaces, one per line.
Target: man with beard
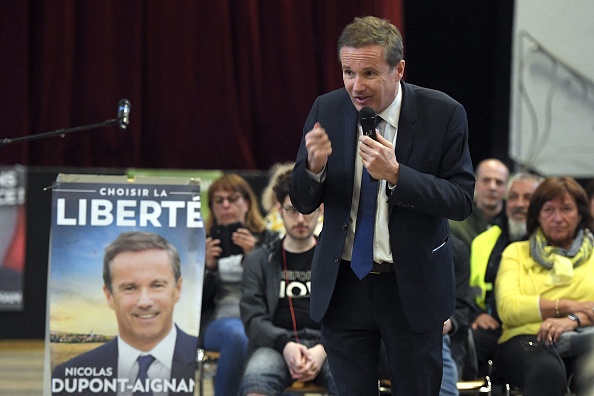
{"x":485,"y":256}
{"x":489,"y":190}
{"x":284,"y":342}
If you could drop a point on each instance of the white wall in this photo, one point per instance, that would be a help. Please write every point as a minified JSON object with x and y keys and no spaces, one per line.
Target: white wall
{"x":552,"y":103}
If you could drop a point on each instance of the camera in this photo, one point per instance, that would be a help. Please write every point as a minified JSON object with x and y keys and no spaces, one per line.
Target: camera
{"x":223,"y":233}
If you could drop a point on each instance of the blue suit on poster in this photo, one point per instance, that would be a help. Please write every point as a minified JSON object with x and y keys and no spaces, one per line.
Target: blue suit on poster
{"x":436,"y":182}
{"x":106,"y":357}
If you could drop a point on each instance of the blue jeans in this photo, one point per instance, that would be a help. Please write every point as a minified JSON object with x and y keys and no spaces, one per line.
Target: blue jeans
{"x":227,"y":336}
{"x":450,"y":371}
{"x":267,"y":373}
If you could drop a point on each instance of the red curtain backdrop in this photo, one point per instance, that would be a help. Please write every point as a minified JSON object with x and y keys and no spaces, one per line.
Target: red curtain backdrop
{"x":213,"y":84}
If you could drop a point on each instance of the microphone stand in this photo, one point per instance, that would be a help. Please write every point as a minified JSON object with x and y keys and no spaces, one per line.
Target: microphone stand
{"x":59,"y":132}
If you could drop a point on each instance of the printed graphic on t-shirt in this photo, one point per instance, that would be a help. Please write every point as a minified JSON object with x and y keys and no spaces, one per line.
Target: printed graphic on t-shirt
{"x":299,"y":284}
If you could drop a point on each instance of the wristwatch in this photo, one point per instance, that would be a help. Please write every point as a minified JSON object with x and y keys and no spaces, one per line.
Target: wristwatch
{"x":576,"y":319}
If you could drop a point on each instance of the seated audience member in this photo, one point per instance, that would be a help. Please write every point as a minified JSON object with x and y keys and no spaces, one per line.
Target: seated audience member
{"x":231,"y":200}
{"x":284,"y":342}
{"x":491,"y":179}
{"x":273,"y":219}
{"x":455,"y":329}
{"x":485,"y":255}
{"x":142,"y":283}
{"x":545,"y":290}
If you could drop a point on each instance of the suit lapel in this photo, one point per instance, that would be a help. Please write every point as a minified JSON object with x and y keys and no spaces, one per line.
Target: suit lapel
{"x":110,"y":351}
{"x":184,"y":356}
{"x":111,"y":354}
{"x":350,"y":141}
{"x":406,"y":130}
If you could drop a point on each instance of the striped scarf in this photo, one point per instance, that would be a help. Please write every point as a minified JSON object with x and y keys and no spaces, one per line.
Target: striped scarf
{"x":561,"y":261}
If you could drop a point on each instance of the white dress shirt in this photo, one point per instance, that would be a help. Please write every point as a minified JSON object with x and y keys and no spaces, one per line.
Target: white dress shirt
{"x":160,"y":368}
{"x":381,"y":238}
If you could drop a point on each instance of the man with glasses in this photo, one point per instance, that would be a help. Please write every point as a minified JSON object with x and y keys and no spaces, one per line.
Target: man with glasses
{"x":284,"y":342}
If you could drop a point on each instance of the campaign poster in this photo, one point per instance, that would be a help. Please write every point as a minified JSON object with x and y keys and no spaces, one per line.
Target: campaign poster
{"x":96,"y":334}
{"x":13,"y":181}
{"x":206,"y":176}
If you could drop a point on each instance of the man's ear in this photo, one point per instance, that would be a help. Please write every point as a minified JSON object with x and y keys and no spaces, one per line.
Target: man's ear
{"x":400,"y":69}
{"x":108,"y":296}
{"x":178,"y":287}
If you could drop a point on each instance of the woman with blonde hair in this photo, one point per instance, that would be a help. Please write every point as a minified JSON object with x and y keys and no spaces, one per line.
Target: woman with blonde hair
{"x":273,"y":219}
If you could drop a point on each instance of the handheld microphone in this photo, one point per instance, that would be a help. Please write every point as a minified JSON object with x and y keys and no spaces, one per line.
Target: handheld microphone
{"x":123,"y":118}
{"x":367,"y":118}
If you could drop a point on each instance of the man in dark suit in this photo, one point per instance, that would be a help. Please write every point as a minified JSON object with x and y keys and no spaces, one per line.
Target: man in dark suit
{"x":423,"y":172}
{"x":142,"y":284}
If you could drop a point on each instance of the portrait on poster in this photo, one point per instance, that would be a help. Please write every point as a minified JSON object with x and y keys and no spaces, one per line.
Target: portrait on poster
{"x":125,"y":287}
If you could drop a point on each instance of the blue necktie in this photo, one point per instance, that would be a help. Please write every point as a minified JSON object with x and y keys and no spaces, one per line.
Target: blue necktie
{"x":362,"y":258}
{"x":144,"y":363}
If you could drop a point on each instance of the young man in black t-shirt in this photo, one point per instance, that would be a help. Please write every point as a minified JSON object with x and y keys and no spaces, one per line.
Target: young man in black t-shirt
{"x":284,"y":342}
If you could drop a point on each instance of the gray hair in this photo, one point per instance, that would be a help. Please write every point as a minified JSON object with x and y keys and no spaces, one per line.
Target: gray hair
{"x":522,"y":176}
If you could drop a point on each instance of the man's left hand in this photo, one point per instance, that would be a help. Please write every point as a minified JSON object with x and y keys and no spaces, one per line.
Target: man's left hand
{"x":379,"y":158}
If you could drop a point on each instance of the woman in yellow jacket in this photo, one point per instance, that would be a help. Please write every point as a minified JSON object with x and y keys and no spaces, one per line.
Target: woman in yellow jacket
{"x":545,"y":287}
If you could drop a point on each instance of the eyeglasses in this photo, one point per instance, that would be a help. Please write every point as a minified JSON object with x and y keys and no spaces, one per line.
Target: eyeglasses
{"x":232,"y":199}
{"x":292,"y":212}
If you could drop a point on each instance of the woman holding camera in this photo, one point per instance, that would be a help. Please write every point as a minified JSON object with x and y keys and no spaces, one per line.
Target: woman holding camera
{"x":235,"y":227}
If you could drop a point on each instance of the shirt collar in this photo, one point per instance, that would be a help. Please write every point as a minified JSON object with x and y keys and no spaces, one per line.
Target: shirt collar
{"x":163,"y":352}
{"x":391,"y":114}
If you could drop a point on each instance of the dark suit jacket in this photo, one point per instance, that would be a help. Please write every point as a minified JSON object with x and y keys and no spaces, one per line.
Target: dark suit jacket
{"x":436,"y":182}
{"x":106,"y":356}
{"x":464,"y":297}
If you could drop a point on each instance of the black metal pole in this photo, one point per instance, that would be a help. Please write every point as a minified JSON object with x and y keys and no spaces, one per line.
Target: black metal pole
{"x":59,"y":132}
